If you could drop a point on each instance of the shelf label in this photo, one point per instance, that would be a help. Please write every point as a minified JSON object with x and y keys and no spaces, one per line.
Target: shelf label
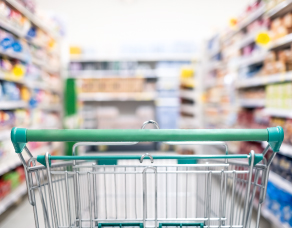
{"x":263,"y":38}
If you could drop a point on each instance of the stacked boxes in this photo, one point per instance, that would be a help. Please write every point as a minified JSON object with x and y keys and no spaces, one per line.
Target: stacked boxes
{"x":112,"y":85}
{"x":277,"y":62}
{"x":279,"y":96}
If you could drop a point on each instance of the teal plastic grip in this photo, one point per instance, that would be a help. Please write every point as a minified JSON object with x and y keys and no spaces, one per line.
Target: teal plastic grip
{"x":201,"y":225}
{"x":276,"y":137}
{"x":155,"y":135}
{"x":18,"y":138}
{"x":103,"y":224}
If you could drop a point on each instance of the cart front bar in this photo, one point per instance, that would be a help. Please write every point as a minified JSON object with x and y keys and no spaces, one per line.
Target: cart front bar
{"x":20,"y":136}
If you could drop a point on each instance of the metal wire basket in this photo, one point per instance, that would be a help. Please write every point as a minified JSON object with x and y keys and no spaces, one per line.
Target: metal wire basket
{"x":163,"y":190}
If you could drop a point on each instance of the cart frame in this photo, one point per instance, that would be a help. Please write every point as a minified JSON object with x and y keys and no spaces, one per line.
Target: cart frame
{"x":57,"y":210}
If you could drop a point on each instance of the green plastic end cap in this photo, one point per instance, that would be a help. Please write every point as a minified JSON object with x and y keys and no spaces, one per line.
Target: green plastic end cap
{"x":276,"y":137}
{"x":42,"y":159}
{"x":18,"y":138}
{"x":257,"y":158}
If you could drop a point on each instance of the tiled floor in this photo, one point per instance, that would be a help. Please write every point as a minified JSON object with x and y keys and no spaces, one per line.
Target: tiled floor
{"x":18,"y":216}
{"x":22,"y":216}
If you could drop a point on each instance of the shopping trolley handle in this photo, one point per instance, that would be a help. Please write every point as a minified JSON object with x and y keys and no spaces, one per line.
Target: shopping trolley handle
{"x":20,"y":136}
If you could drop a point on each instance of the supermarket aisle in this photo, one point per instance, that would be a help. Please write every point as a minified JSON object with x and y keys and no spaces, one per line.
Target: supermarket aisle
{"x":20,"y":215}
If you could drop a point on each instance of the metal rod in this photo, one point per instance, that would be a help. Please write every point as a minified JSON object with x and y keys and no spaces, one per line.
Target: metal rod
{"x":79,"y":199}
{"x":232,"y":200}
{"x":248,"y":189}
{"x":89,"y":198}
{"x":68,"y":200}
{"x":51,"y":193}
{"x":221,"y":198}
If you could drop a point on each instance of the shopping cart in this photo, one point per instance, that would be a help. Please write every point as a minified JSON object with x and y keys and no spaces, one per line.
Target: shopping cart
{"x":144,"y":190}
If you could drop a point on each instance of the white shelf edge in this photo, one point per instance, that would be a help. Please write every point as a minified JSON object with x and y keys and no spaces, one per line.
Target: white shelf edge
{"x":133,"y":57}
{"x":280,"y":182}
{"x":36,"y":21}
{"x":117,"y":97}
{"x":286,"y":40}
{"x":6,"y":105}
{"x":278,"y":8}
{"x":246,"y":61}
{"x":15,"y":162}
{"x":264,"y":80}
{"x":285,"y":113}
{"x":252,"y":103}
{"x":11,"y":28}
{"x":251,"y":18}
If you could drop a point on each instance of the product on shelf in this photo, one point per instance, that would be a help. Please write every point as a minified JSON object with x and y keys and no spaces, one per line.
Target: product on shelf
{"x":112,"y":85}
{"x":10,"y":181}
{"x":247,"y":118}
{"x":253,"y":93}
{"x":279,"y":95}
{"x":111,"y":118}
{"x":13,"y":17}
{"x":279,"y":202}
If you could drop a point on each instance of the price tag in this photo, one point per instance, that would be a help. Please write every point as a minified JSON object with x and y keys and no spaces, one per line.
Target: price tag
{"x":233,"y":22}
{"x":262,"y":38}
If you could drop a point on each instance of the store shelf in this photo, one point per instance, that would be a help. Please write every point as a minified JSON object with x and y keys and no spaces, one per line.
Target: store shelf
{"x":13,"y":160}
{"x":35,"y":20}
{"x":133,"y":57}
{"x":9,"y":105}
{"x":264,"y":80}
{"x":113,"y":74}
{"x":271,"y":217}
{"x":248,"y":20}
{"x":214,"y":52}
{"x":280,"y":182}
{"x":37,"y":61}
{"x":285,"y":149}
{"x":13,"y":55}
{"x":215,"y":65}
{"x":4,"y":134}
{"x":50,"y":107}
{"x":247,"y":61}
{"x":12,"y":197}
{"x":252,"y":103}
{"x":144,"y":96}
{"x":29,"y":83}
{"x":188,"y":94}
{"x":11,"y":28}
{"x":281,"y":42}
{"x":191,"y":109}
{"x":285,"y":113}
{"x":249,"y":38}
{"x":280,"y":9}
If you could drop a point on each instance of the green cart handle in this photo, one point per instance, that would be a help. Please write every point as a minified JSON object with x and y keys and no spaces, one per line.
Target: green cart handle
{"x":20,"y":136}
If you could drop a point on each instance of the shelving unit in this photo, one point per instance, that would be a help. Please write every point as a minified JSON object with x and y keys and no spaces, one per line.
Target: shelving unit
{"x":12,"y":197}
{"x":48,"y":82}
{"x":105,"y":86}
{"x":244,"y":82}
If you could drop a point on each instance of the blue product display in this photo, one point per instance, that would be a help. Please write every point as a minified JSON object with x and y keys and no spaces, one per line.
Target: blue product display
{"x":10,"y":91}
{"x":279,"y":202}
{"x":7,"y":42}
{"x":17,"y":47}
{"x":167,"y":117}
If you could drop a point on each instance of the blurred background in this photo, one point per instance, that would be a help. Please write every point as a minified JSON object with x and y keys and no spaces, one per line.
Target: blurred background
{"x":114,"y":64}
